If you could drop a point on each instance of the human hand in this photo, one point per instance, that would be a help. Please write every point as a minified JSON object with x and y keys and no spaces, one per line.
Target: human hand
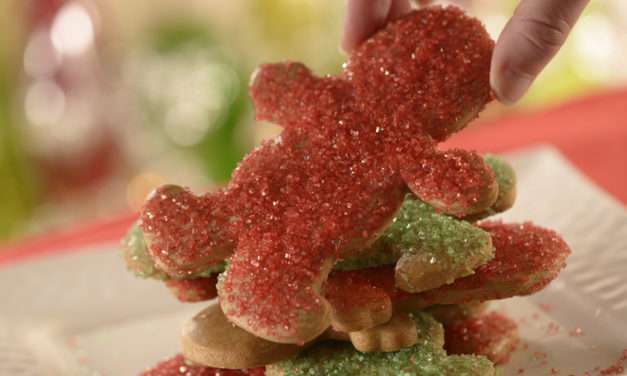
{"x":528,"y":42}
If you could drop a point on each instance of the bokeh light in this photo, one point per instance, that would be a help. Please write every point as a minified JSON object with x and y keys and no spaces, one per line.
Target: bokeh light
{"x":44,"y":103}
{"x":72,"y":30}
{"x":40,"y":57}
{"x":597,"y":47}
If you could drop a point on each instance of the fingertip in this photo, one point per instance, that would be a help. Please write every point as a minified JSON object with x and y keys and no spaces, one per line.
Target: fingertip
{"x":528,"y":42}
{"x":508,"y":85}
{"x":398,"y":9}
{"x":363,"y":18}
{"x":346,"y":43}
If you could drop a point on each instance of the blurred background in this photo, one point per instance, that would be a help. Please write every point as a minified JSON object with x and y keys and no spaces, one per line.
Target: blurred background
{"x":102,"y":100}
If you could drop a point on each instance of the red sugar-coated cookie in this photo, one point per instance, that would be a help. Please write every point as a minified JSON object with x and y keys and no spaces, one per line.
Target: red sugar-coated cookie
{"x":178,"y":366}
{"x":193,"y":290}
{"x":492,"y":335}
{"x":527,"y":258}
{"x":336,"y":175}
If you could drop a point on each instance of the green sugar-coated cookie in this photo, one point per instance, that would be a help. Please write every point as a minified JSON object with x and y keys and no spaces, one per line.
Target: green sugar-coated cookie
{"x":340,"y":359}
{"x":426,"y":358}
{"x":139,"y":261}
{"x":136,"y":256}
{"x":506,"y":180}
{"x":430,"y":249}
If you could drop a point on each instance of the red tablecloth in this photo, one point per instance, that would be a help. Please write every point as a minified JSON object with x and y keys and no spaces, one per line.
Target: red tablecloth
{"x":591,"y":132}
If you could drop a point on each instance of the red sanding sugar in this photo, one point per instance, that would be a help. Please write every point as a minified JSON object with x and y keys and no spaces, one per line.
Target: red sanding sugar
{"x":492,"y":335}
{"x":617,"y":368}
{"x":194,"y":290}
{"x":178,"y":366}
{"x":364,"y":287}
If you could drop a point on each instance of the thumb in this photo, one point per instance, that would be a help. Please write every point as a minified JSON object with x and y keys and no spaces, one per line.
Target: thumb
{"x":528,"y":42}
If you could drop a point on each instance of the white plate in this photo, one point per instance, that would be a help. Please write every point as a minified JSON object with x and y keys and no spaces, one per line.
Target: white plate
{"x":83,"y":314}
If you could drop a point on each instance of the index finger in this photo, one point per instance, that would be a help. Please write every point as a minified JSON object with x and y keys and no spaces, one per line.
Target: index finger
{"x":528,"y":42}
{"x":365,"y":17}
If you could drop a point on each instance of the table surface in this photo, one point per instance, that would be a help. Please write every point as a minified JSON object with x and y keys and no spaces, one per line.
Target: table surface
{"x":591,"y":132}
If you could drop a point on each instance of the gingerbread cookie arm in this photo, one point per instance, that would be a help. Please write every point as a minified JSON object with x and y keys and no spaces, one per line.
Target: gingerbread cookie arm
{"x":186,"y":234}
{"x":283,"y":92}
{"x":456,"y":181}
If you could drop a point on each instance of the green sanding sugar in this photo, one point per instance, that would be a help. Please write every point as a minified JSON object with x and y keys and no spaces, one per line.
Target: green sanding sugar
{"x":211,"y":269}
{"x":138,"y":259}
{"x":506,"y":180}
{"x":418,"y":228}
{"x":426,"y":358}
{"x":429,"y":331}
{"x":371,"y":257}
{"x":503,"y":173}
{"x":341,"y":359}
{"x":135,"y":253}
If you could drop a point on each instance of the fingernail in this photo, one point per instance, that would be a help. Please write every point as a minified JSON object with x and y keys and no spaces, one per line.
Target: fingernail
{"x":509,"y":86}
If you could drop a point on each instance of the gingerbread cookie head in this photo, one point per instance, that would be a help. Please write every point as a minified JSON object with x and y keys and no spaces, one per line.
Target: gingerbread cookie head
{"x":427,"y":70}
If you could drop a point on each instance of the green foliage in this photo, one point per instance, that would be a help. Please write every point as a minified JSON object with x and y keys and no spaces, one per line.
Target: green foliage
{"x":16,"y":189}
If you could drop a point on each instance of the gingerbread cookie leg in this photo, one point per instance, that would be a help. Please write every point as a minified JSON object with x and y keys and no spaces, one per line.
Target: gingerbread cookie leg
{"x":456,"y":181}
{"x":403,"y":330}
{"x":276,"y":305}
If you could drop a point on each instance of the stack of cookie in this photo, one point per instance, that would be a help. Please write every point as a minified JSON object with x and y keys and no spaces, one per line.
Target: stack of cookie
{"x":414,"y":302}
{"x":350,"y":245}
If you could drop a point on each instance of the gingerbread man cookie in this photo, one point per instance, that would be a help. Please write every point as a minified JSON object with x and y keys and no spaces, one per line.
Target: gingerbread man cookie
{"x":351,"y":148}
